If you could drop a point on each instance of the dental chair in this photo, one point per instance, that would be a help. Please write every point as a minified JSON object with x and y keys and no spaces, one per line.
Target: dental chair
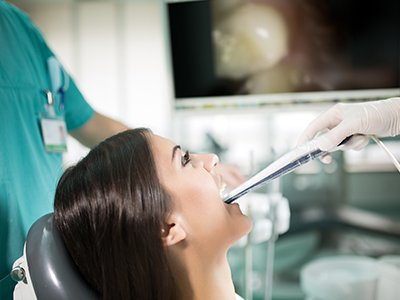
{"x":46,"y":271}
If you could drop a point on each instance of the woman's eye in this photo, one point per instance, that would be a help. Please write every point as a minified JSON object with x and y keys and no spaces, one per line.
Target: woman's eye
{"x":185,"y":158}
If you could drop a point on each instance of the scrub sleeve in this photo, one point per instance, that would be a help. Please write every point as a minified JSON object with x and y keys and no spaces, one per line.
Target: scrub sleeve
{"x":28,"y":174}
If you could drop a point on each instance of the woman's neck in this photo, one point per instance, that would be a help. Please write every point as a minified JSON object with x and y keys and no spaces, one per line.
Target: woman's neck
{"x":199,"y":276}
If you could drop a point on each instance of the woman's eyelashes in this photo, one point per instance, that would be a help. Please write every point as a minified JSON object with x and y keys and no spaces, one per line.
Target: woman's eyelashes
{"x":185,"y":158}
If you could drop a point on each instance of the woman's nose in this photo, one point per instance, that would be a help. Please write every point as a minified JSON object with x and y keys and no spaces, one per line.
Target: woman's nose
{"x":209,"y":160}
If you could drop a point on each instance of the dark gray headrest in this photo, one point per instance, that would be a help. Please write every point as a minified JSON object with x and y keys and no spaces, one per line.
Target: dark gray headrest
{"x":53,"y":273}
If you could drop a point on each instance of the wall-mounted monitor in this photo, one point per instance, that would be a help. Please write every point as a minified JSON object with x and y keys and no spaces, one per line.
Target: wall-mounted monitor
{"x":274,"y":51}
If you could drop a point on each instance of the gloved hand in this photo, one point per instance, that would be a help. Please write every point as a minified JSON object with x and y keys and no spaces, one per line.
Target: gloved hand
{"x":380,"y":118}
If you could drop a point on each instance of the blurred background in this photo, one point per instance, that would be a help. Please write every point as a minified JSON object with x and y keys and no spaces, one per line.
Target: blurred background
{"x":115,"y":51}
{"x":243,"y":79}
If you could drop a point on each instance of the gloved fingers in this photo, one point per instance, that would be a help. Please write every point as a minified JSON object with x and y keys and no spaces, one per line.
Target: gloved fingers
{"x":357,"y":142}
{"x":326,"y":159}
{"x":326,"y":120}
{"x":335,"y":136}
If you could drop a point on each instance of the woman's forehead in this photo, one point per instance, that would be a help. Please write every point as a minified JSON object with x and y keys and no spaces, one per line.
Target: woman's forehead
{"x":161,"y":145}
{"x":163,"y":150}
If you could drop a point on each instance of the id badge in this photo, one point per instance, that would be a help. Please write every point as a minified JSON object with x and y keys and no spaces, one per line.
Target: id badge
{"x":54,"y":130}
{"x":54,"y":133}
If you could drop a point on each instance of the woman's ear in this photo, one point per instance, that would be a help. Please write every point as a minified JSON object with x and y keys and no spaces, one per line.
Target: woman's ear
{"x":173,"y":232}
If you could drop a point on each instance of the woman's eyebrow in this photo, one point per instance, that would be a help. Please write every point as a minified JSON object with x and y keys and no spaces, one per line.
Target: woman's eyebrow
{"x":177,"y":147}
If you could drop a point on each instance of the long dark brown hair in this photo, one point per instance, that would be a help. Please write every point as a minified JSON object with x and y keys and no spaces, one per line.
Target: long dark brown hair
{"x":109,"y":209}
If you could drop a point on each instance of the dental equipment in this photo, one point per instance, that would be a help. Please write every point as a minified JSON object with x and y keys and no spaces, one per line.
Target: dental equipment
{"x":284,"y":165}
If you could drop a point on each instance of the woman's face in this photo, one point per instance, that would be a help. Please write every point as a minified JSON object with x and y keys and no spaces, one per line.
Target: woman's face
{"x":194,"y":186}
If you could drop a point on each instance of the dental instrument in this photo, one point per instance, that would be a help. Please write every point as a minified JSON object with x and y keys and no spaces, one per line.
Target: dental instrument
{"x":284,"y":165}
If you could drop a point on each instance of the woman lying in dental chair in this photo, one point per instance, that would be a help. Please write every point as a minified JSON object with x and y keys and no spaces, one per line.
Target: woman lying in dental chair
{"x":143,"y":219}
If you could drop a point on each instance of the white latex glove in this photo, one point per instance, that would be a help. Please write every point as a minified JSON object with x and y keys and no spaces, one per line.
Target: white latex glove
{"x":380,"y":118}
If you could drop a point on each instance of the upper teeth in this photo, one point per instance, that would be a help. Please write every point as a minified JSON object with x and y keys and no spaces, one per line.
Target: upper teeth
{"x":222,"y":189}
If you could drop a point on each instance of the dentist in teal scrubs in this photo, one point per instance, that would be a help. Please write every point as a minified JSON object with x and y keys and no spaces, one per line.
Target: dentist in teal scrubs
{"x":39,"y":104}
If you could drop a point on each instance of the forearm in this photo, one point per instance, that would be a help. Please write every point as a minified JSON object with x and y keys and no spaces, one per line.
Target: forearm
{"x":98,"y":128}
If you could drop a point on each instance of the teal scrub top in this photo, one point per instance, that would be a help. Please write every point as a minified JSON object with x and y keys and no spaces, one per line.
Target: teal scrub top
{"x":28,"y":174}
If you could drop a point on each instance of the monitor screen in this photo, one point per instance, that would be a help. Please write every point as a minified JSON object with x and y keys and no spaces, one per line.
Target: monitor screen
{"x":284,"y":48}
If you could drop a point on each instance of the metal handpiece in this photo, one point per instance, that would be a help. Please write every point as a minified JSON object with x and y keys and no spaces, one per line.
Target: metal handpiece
{"x":284,"y":165}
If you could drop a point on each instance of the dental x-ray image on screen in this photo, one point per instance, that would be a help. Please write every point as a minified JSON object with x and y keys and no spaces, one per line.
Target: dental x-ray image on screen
{"x":243,"y":47}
